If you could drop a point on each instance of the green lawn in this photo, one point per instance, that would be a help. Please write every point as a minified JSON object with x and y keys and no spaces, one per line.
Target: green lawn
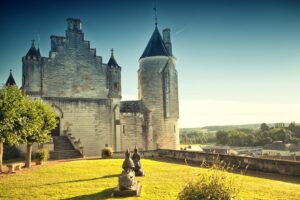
{"x":95,"y":179}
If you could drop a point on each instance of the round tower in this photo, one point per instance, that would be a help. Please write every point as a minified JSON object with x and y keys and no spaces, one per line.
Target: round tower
{"x":158,"y":90}
{"x":114,"y":86}
{"x":32,"y":71}
{"x":114,"y":77}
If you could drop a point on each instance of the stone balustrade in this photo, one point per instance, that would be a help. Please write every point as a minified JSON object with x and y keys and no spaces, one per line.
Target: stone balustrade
{"x":285,"y":167}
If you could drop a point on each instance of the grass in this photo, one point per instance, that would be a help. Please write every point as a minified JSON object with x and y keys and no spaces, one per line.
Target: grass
{"x":95,"y":179}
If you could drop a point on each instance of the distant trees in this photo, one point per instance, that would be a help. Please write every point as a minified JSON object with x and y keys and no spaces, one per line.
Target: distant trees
{"x":23,"y":120}
{"x":196,"y":136}
{"x":233,"y":137}
{"x":265,"y":135}
{"x":264,"y":127}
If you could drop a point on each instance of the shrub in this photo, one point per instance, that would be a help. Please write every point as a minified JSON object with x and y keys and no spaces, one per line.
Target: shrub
{"x":10,"y":152}
{"x":42,"y":155}
{"x":107,"y":152}
{"x":216,"y":184}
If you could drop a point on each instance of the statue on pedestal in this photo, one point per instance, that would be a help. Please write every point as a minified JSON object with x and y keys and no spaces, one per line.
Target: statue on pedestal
{"x":127,"y":178}
{"x":128,"y":185}
{"x":137,"y":163}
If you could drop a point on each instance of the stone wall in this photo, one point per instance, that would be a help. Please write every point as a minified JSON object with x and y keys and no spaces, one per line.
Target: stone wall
{"x":31,"y":75}
{"x":133,"y":131}
{"x":259,"y":164}
{"x":143,"y":154}
{"x":89,"y":120}
{"x":285,"y":167}
{"x":75,"y":73}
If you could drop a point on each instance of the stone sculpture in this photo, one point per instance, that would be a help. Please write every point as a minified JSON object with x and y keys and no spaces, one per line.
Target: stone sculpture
{"x":137,"y":163}
{"x":128,"y":185}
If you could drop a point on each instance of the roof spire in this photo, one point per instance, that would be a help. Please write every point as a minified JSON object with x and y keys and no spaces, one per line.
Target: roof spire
{"x":38,"y":40}
{"x":112,"y":51}
{"x":10,"y":81}
{"x":155,"y":13}
{"x":32,"y":43}
{"x":112,"y":61}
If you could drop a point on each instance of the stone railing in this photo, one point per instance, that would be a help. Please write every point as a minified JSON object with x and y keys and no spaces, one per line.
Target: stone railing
{"x":75,"y":143}
{"x":268,"y":165}
{"x":143,"y":154}
{"x":260,"y":164}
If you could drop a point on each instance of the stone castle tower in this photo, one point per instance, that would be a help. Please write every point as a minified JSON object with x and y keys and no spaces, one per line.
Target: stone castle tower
{"x":86,"y":93}
{"x":158,"y":90}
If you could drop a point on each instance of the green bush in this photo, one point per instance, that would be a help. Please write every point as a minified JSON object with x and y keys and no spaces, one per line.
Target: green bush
{"x":216,"y":184}
{"x":107,"y":152}
{"x":42,"y":155}
{"x":10,"y":152}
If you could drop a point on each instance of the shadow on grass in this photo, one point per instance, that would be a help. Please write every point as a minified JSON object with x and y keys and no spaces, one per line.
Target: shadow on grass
{"x":82,"y":180}
{"x":110,"y":176}
{"x":104,"y":194}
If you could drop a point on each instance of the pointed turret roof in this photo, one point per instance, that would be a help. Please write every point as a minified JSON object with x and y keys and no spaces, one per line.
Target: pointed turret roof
{"x":10,"y":80}
{"x":112,"y":61}
{"x":155,"y":46}
{"x":33,"y":51}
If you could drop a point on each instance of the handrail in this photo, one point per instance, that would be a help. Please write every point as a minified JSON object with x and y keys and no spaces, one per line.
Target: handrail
{"x":75,"y":143}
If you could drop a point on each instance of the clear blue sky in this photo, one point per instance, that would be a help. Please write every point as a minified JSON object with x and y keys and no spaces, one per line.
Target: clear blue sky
{"x":238,"y":60}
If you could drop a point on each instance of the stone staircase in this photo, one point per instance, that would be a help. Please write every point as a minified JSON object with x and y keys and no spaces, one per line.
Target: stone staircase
{"x":63,"y":149}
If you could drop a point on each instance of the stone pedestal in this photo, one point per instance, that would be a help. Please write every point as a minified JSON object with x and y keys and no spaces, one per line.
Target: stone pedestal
{"x":139,"y":173}
{"x":128,"y":193}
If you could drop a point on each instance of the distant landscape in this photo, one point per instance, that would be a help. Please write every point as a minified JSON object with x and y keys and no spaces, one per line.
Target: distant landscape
{"x":207,"y":134}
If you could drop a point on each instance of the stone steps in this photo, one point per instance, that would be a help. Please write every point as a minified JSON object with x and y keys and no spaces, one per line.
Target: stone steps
{"x":62,"y":143}
{"x":63,"y":149}
{"x":65,"y":154}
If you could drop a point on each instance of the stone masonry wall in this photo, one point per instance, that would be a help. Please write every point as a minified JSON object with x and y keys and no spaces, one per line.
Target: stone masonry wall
{"x":151,"y":93}
{"x":32,"y":70}
{"x":133,"y":131}
{"x":89,"y":120}
{"x":259,"y":164}
{"x":75,"y":73}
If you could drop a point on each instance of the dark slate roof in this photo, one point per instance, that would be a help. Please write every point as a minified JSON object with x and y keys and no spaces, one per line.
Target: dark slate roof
{"x":133,"y":107}
{"x":155,"y":46}
{"x":10,"y":80}
{"x":33,"y":51}
{"x":112,"y":61}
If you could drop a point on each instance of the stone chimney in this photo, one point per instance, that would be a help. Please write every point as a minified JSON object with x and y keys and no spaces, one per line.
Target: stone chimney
{"x":167,"y":40}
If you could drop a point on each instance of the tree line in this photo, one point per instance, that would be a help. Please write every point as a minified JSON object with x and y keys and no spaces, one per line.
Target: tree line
{"x":196,"y":137}
{"x":23,"y":120}
{"x":265,"y":135}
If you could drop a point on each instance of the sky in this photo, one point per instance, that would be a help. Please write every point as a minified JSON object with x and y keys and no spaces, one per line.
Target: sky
{"x":238,"y":61}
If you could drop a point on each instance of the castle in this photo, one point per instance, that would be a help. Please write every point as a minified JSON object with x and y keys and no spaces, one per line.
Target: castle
{"x":86,"y":93}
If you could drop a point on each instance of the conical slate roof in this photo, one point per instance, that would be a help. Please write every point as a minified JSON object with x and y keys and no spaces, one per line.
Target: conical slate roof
{"x":10,"y":80}
{"x":155,"y":46}
{"x":33,"y":51}
{"x":112,"y":61}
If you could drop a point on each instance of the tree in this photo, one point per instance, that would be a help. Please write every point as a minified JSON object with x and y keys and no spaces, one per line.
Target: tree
{"x":222,"y":137}
{"x":264,"y":127}
{"x":12,"y":104}
{"x":251,"y":140}
{"x":40,"y":119}
{"x":295,"y":129}
{"x":282,"y":134}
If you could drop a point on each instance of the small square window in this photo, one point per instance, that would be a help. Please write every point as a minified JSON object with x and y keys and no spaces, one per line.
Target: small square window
{"x":116,"y":86}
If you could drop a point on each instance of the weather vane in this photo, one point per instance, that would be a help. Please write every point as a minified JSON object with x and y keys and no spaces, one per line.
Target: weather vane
{"x":112,"y":51}
{"x":155,"y":12}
